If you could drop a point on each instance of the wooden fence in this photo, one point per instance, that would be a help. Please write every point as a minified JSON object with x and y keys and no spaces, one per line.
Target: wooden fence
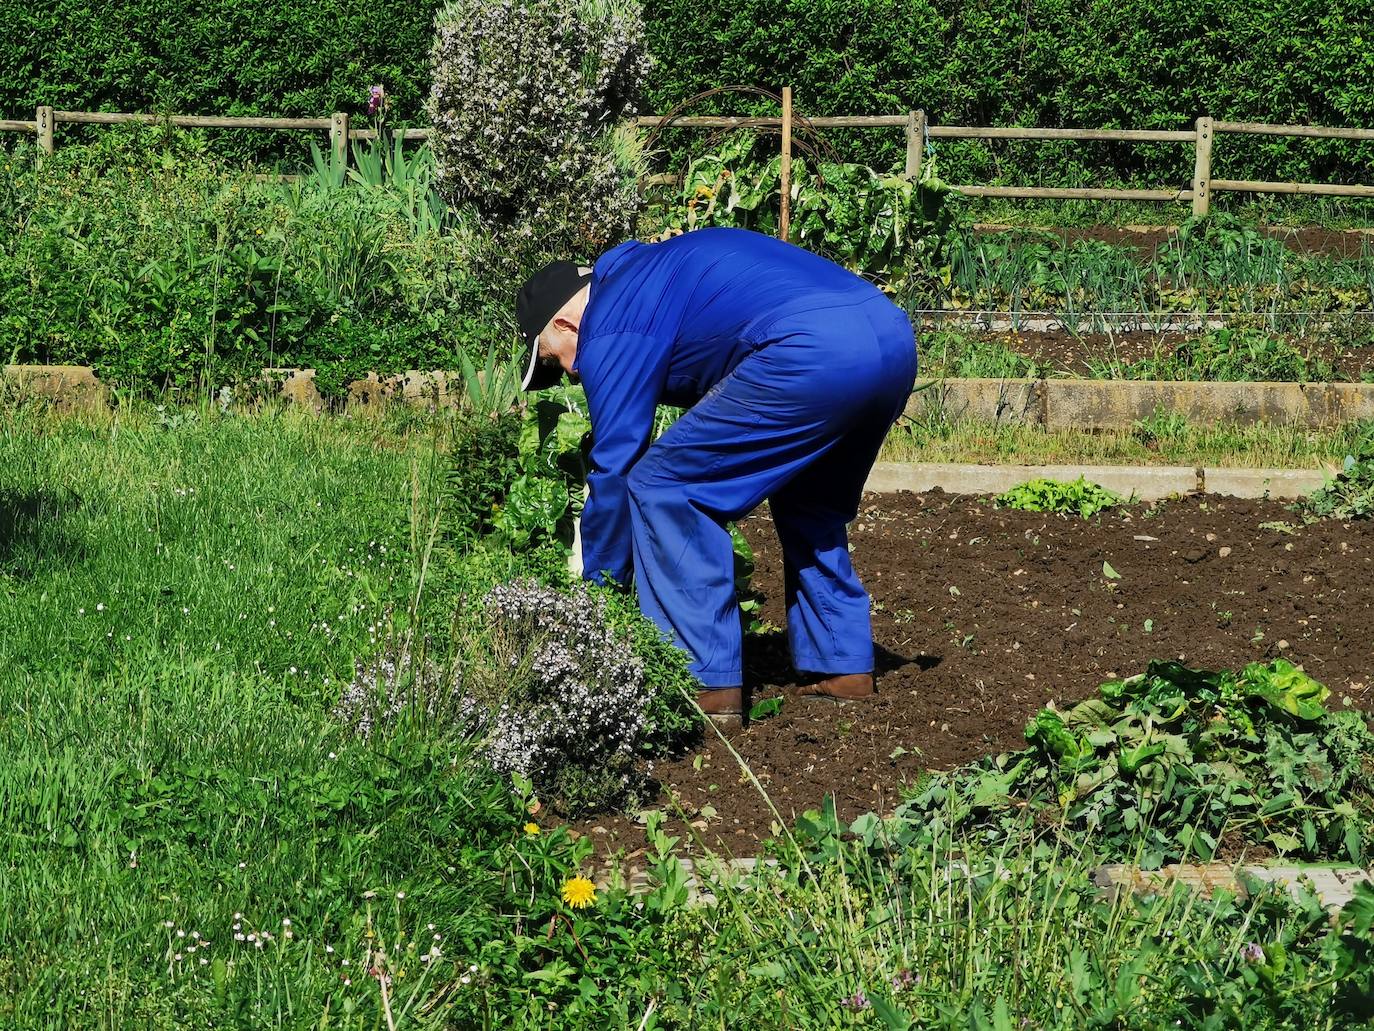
{"x":918,"y":132}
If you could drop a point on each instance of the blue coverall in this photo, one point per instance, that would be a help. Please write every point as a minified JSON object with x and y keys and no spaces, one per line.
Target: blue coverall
{"x":794,"y":370}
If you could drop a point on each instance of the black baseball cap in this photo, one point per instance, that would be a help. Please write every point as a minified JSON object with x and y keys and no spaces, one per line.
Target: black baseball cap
{"x":539,"y":300}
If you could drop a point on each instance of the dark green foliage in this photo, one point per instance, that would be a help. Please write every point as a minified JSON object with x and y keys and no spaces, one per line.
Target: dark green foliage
{"x":483,"y":463}
{"x":1166,"y":764}
{"x":1048,"y":63}
{"x":1225,"y":355}
{"x":239,"y":57}
{"x":1349,"y":495}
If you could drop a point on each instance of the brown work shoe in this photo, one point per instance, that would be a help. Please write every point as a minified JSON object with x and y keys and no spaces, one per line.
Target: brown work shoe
{"x":722,"y":701}
{"x":724,"y":706}
{"x":845,"y":687}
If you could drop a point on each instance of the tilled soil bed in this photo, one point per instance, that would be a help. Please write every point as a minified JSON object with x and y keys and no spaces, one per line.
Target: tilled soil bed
{"x":981,"y":616}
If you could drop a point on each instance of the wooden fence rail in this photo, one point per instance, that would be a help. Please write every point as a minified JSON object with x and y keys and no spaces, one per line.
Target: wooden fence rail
{"x":917,"y":129}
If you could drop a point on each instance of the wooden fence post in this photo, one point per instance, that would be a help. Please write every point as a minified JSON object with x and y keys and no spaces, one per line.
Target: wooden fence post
{"x":338,"y":136}
{"x":43,"y":116}
{"x":915,"y":143}
{"x":1202,"y":168}
{"x":785,"y":173}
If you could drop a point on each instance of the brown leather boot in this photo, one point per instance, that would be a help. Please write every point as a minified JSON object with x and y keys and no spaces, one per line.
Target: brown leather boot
{"x":721,"y":701}
{"x":844,"y":687}
{"x":724,"y":706}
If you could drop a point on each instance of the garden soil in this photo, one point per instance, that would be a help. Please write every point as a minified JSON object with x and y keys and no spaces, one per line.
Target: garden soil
{"x":981,"y":616}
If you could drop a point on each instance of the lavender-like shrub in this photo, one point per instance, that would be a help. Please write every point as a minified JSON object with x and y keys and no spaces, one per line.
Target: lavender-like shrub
{"x":526,"y":102}
{"x":565,"y":688}
{"x":549,"y":682}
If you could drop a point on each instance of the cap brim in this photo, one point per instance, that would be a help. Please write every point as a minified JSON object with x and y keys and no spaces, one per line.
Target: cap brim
{"x":537,"y":376}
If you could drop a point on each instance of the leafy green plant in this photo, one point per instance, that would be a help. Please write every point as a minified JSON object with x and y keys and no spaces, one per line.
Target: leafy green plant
{"x":1066,"y":498}
{"x":1350,"y":493}
{"x":883,"y":226}
{"x":1168,"y":763}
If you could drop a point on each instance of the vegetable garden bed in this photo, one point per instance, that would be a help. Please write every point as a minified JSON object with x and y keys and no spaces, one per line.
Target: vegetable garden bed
{"x":983,"y":615}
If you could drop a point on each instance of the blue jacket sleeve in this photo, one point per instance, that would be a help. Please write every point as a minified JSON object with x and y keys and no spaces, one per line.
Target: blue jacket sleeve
{"x":623,"y":375}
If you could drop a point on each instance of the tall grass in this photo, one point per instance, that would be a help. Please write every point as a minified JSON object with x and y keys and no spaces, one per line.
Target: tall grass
{"x":1162,"y":439}
{"x":180,"y":597}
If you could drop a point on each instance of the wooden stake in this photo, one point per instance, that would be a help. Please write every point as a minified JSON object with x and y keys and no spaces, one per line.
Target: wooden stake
{"x":785,"y":214}
{"x":43,"y":116}
{"x":915,"y":143}
{"x":1202,"y":168}
{"x":338,"y":136}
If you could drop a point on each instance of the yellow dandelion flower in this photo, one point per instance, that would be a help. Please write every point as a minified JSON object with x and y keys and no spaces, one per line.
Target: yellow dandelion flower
{"x":579,"y":892}
{"x":531,"y":828}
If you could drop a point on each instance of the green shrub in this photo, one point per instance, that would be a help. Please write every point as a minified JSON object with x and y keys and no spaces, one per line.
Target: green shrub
{"x":483,"y":460}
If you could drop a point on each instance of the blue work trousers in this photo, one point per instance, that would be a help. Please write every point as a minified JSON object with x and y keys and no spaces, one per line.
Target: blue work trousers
{"x":799,"y":422}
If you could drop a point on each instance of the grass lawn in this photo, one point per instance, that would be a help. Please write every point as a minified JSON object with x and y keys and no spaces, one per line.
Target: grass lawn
{"x":179,"y":599}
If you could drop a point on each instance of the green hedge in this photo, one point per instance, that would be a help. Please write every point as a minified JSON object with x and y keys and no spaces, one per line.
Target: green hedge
{"x":233,"y":57}
{"x":1048,"y":63}
{"x":1032,"y":62}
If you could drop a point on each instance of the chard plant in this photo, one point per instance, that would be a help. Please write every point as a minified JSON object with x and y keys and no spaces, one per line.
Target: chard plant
{"x":1175,"y":764}
{"x":1076,"y":497}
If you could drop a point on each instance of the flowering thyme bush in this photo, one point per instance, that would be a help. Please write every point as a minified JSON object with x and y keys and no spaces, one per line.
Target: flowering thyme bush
{"x":525,"y":103}
{"x":570,"y":689}
{"x":565,"y":703}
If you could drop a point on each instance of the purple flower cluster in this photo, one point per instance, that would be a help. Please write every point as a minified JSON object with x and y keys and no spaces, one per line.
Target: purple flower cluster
{"x":856,"y":1003}
{"x":1253,"y":953}
{"x":572,"y":691}
{"x":541,"y":677}
{"x":904,"y":979}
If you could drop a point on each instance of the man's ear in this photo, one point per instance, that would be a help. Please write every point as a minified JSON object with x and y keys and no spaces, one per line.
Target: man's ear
{"x":566,"y":324}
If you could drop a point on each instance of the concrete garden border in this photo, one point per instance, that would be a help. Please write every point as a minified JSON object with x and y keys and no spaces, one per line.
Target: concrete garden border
{"x":1146,"y":482}
{"x":1054,"y":404}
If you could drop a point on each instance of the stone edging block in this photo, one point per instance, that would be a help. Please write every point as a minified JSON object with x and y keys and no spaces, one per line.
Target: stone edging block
{"x":1020,"y":401}
{"x":1262,"y":483}
{"x":1148,"y":483}
{"x":66,"y":386}
{"x":1333,"y":886}
{"x":1055,"y":404}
